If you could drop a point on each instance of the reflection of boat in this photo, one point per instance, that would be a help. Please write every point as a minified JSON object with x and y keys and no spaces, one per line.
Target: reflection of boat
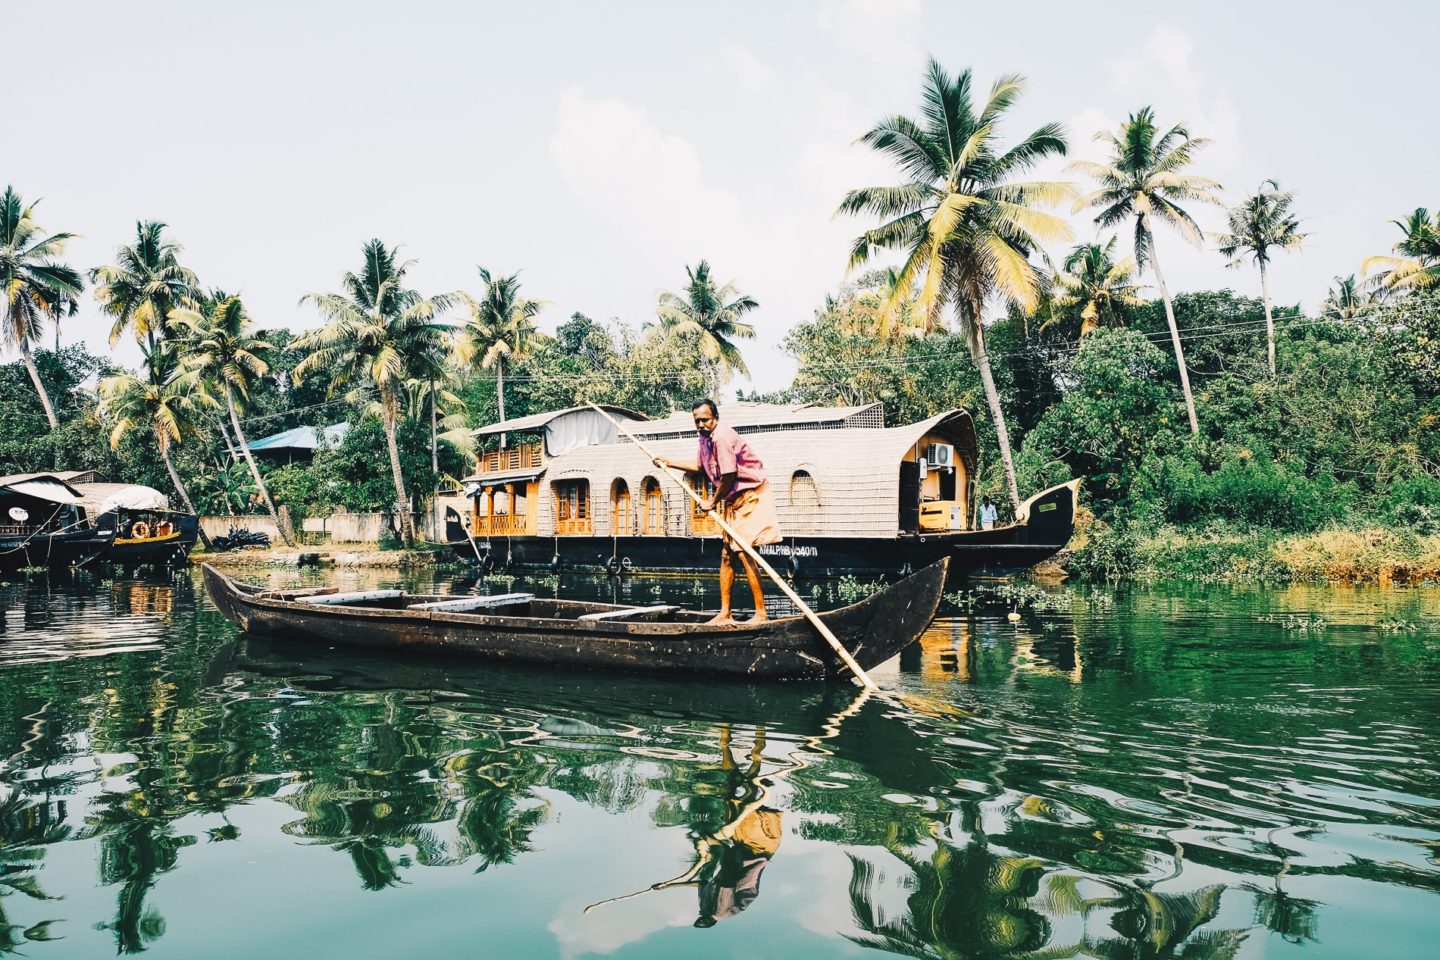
{"x":852,"y":495}
{"x":149,"y":532}
{"x":42,"y":524}
{"x":569,"y":633}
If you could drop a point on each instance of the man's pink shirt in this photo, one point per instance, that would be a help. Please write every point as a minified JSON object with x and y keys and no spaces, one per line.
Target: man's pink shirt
{"x":724,"y":452}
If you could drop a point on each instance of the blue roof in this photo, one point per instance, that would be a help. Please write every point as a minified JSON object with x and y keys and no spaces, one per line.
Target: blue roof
{"x":302,"y":438}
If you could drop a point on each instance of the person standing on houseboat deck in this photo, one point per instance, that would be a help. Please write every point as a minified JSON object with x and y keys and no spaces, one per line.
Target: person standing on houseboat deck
{"x":742,"y":497}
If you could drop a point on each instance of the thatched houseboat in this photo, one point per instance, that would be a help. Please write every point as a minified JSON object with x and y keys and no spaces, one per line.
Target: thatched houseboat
{"x":853,"y":495}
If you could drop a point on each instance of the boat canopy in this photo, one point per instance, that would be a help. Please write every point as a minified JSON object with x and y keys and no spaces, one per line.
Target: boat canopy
{"x":567,"y":429}
{"x":101,"y":498}
{"x":40,"y":486}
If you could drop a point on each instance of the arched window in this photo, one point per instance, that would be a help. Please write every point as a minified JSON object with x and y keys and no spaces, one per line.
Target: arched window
{"x":572,"y":507}
{"x":803,"y":515}
{"x":804,"y":494}
{"x":620,"y":509}
{"x":652,"y":521}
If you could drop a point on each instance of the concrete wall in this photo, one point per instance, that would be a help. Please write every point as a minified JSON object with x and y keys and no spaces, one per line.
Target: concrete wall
{"x":255,"y":523}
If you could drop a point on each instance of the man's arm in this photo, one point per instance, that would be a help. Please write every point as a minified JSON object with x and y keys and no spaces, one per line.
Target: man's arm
{"x":677,"y":464}
{"x":727,"y":483}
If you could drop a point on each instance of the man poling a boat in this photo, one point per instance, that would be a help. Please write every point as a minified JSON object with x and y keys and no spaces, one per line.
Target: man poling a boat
{"x":742,"y":497}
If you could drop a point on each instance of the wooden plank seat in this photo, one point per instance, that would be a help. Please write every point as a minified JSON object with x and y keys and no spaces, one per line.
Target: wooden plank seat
{"x":464,"y":604}
{"x":298,"y":594}
{"x":357,"y":596}
{"x":629,"y":613}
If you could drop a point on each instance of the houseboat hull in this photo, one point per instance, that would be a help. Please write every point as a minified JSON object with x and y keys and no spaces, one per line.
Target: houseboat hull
{"x":54,"y":551}
{"x":1003,"y":551}
{"x":133,"y":551}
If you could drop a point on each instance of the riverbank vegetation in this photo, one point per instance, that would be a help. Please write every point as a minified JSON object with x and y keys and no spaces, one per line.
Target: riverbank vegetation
{"x":1220,"y":435}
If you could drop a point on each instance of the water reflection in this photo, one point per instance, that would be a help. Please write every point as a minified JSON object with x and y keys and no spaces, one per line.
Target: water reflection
{"x":1168,"y":776}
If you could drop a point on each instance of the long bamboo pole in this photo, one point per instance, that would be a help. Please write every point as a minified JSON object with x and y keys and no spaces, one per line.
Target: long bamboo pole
{"x":753,"y":554}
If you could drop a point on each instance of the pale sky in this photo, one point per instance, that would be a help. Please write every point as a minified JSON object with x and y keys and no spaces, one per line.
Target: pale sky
{"x":601,"y":147}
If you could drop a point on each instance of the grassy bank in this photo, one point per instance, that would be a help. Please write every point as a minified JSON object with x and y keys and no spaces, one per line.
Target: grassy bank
{"x":1221,"y":554}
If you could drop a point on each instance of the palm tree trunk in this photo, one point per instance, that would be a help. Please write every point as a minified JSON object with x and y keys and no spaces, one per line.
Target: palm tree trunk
{"x":254,"y":469}
{"x":1269,"y":321}
{"x":175,"y":477}
{"x":39,"y":387}
{"x":1175,"y":339}
{"x":500,"y":393}
{"x":992,"y":397}
{"x":388,"y":405}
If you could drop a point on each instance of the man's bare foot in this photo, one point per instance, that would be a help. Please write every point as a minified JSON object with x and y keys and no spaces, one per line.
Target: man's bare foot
{"x":760,"y":617}
{"x":722,"y":617}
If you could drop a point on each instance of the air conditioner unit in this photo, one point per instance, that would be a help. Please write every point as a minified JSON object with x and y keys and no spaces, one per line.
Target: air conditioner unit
{"x":940,"y":456}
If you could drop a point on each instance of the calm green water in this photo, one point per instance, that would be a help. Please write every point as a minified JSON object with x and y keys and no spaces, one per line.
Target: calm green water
{"x":1185,"y":772}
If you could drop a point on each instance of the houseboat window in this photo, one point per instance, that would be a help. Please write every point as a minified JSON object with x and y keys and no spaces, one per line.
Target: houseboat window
{"x":804,"y":503}
{"x":652,"y":521}
{"x":572,"y":507}
{"x":619,"y":508}
{"x":572,"y":500}
{"x":701,"y":523}
{"x":804,"y":494}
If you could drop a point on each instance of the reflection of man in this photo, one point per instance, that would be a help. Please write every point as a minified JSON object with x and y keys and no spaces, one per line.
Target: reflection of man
{"x":742,"y":849}
{"x":734,"y":883}
{"x":742,"y":496}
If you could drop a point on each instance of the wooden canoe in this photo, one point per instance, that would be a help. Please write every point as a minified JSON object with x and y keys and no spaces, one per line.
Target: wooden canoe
{"x":578,"y":635}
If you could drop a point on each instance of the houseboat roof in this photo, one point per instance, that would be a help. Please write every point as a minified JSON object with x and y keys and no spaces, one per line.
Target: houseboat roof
{"x":748,"y":417}
{"x":41,"y":486}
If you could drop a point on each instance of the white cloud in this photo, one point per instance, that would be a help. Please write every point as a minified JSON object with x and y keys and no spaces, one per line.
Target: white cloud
{"x":1163,"y":71}
{"x":886,"y":31}
{"x":752,"y":74}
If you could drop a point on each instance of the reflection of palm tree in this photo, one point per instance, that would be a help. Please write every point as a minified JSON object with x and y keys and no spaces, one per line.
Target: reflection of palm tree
{"x":25,"y":830}
{"x":134,"y":853}
{"x":1155,"y":925}
{"x":964,"y":903}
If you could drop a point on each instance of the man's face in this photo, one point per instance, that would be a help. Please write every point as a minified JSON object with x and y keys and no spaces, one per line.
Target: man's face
{"x":705,"y":420}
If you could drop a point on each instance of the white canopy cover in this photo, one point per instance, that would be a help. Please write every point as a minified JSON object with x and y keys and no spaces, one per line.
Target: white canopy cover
{"x":103,"y":497}
{"x":41,"y":487}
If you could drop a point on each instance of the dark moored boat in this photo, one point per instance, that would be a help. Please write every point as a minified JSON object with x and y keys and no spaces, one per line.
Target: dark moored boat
{"x":572,"y":634}
{"x":42,"y":525}
{"x":149,"y":532}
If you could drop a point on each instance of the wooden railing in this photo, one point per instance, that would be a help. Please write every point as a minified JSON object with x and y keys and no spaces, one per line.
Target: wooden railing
{"x":581,"y":525}
{"x":527,"y":456}
{"x":16,"y":529}
{"x":503,"y":525}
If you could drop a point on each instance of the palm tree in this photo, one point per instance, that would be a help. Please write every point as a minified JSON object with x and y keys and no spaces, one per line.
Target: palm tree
{"x":1261,"y":223}
{"x":378,"y":335}
{"x":1418,"y":265}
{"x":501,"y":329}
{"x":219,"y":348}
{"x":966,"y":225}
{"x":143,"y":286}
{"x":712,"y":315}
{"x":168,"y":402}
{"x":34,"y":285}
{"x":1345,"y":301}
{"x":1144,"y":179}
{"x":1100,"y":285}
